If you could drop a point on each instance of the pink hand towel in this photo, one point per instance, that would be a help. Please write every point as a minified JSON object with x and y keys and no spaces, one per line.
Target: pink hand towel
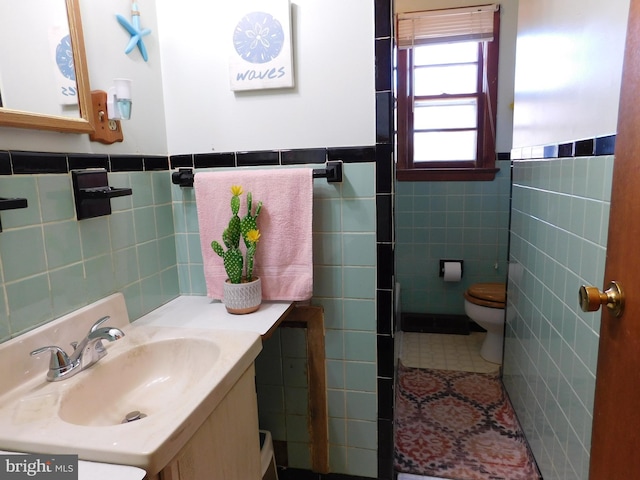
{"x":284,"y":258}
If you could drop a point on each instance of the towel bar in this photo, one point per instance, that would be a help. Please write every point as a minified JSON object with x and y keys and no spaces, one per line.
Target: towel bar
{"x":183,"y":177}
{"x":332,"y":172}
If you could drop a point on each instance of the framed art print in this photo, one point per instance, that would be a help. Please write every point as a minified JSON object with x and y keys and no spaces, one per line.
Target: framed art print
{"x":261,"y":53}
{"x":63,"y":67}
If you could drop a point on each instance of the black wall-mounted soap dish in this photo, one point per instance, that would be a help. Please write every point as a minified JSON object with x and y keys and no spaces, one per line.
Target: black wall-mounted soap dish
{"x":12,"y":204}
{"x":93,"y":194}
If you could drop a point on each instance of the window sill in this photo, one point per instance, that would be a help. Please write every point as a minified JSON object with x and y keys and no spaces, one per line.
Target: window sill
{"x":446,"y":174}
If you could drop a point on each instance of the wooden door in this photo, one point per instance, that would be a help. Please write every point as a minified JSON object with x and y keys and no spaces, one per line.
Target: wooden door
{"x":615,"y":446}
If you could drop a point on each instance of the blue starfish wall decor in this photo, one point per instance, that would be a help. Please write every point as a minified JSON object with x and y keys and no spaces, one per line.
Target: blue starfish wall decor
{"x":136,"y":32}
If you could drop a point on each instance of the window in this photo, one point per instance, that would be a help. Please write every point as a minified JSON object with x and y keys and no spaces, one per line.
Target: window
{"x":446,"y":95}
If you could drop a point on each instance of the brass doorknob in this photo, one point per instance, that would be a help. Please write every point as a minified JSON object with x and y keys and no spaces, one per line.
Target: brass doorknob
{"x":591,"y":298}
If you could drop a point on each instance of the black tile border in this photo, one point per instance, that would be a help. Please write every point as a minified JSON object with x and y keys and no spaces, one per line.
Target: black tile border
{"x":384,"y":61}
{"x":384,"y":218}
{"x":384,"y":117}
{"x":154,"y":163}
{"x":5,"y":163}
{"x":385,"y":288}
{"x":127,"y":163}
{"x":384,"y":168}
{"x":352,"y":154}
{"x":587,"y":147}
{"x":386,"y":361}
{"x":384,"y":311}
{"x":385,"y":443}
{"x":38,"y":162}
{"x":303,"y":156}
{"x":386,"y":265}
{"x":258,"y":158}
{"x":385,"y":406}
{"x":384,"y":18}
{"x":178,"y":161}
{"x":25,"y":162}
{"x":605,"y":145}
{"x":213,"y":160}
{"x":78,"y":161}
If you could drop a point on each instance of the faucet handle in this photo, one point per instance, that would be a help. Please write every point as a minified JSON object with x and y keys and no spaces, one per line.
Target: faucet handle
{"x":59,"y":358}
{"x":100,"y":321}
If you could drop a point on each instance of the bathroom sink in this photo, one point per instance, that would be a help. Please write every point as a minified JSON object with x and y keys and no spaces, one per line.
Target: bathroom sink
{"x":148,"y":378}
{"x":175,"y":378}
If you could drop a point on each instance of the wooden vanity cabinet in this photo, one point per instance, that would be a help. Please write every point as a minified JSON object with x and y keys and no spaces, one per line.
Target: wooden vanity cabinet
{"x":227,"y":444}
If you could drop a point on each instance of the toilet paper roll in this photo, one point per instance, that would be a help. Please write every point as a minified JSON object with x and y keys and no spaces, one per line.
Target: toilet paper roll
{"x":452,"y":271}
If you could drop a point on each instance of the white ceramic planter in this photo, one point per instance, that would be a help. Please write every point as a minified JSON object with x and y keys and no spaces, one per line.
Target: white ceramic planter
{"x":241,"y":298}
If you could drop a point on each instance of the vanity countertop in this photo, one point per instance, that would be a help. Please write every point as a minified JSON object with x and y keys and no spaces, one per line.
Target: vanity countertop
{"x":196,"y":311}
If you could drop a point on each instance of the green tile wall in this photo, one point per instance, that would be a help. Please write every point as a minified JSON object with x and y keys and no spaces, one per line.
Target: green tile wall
{"x":344,"y":239}
{"x":450,"y":220}
{"x":53,"y":264}
{"x":551,"y":346}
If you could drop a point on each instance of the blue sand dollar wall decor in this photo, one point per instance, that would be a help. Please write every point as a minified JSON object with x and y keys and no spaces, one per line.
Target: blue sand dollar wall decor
{"x":64,"y":58}
{"x":64,"y":71}
{"x":258,"y":37}
{"x":261,"y":46}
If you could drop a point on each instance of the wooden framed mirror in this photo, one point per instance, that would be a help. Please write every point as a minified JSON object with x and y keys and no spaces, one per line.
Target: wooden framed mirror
{"x":83,"y":123}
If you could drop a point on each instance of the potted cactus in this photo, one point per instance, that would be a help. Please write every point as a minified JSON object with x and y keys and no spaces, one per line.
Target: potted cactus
{"x":242,"y":290}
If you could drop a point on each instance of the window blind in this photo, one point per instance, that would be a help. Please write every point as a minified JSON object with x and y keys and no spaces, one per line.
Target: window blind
{"x":451,"y":25}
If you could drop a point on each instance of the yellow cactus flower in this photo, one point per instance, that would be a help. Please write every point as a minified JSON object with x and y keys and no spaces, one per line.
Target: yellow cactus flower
{"x":236,"y":190}
{"x":253,"y":236}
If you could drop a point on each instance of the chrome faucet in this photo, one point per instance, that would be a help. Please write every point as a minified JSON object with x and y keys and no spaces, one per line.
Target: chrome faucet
{"x":85,"y":353}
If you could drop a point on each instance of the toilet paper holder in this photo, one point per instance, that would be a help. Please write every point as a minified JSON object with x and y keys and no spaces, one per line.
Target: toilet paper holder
{"x":442,"y":262}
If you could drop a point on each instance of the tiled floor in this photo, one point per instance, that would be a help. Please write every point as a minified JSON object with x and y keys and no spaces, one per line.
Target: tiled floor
{"x":445,"y":352}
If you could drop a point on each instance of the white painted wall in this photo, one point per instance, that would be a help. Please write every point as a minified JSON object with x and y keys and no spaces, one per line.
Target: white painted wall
{"x":568,"y":69}
{"x":105,"y":41}
{"x":332,"y":103}
{"x":508,"y":26}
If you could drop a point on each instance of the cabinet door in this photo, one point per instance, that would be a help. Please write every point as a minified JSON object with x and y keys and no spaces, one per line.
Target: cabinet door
{"x":227,"y":445}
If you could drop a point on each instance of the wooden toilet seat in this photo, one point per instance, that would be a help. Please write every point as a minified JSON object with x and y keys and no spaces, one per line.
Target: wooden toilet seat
{"x":492,"y":295}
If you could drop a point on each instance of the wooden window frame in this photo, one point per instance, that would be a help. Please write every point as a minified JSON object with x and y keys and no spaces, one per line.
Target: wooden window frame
{"x":483,"y":168}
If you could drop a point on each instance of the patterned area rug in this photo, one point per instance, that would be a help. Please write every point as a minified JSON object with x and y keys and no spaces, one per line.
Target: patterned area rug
{"x":458,"y":425}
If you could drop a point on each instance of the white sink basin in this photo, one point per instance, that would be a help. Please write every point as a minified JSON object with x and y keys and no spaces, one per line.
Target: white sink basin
{"x":174,"y":376}
{"x":150,"y":378}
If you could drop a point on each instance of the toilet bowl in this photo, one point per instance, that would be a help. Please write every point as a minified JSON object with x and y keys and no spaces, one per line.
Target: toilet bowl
{"x":484,"y":303}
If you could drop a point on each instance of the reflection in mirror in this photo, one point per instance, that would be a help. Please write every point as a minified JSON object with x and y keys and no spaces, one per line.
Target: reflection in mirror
{"x":44,"y":82}
{"x":36,"y":63}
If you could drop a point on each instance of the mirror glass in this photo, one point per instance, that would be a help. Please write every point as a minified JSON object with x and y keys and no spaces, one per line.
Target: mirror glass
{"x":37,"y":73}
{"x":43,"y":71}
